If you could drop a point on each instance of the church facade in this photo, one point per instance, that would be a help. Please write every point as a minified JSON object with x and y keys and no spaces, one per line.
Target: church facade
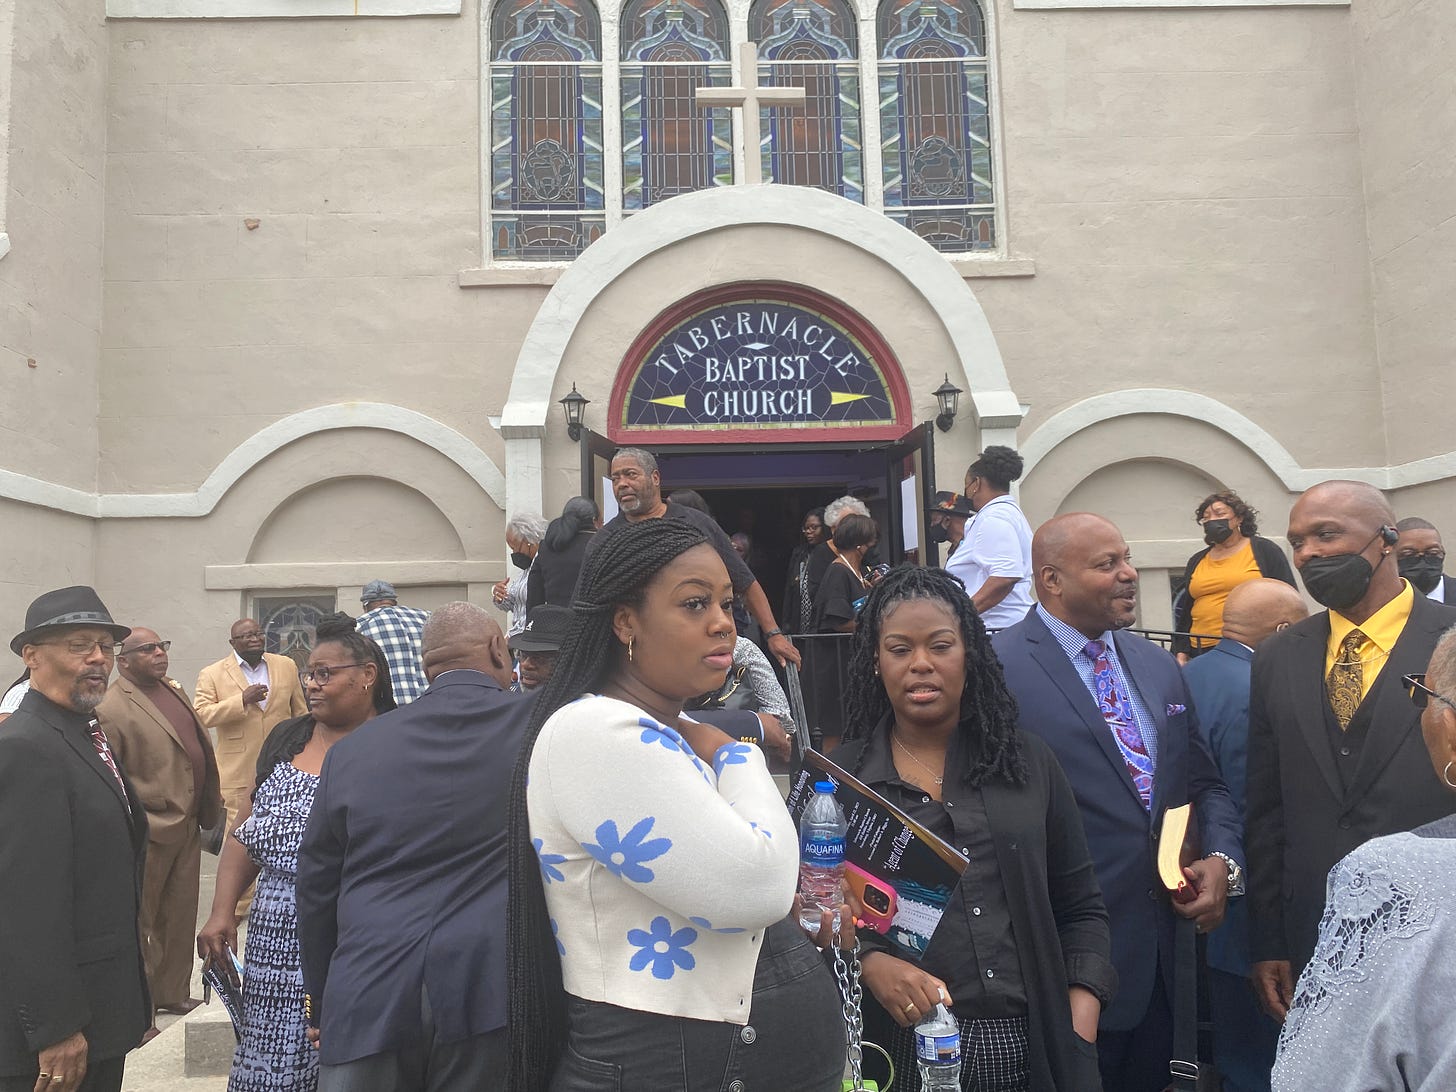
{"x":293,"y":290}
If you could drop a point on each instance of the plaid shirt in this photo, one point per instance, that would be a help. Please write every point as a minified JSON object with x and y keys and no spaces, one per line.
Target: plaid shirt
{"x":397,"y":631}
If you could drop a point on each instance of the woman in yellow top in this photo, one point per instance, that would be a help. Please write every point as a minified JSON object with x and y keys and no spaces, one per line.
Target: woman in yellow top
{"x":1235,"y":553}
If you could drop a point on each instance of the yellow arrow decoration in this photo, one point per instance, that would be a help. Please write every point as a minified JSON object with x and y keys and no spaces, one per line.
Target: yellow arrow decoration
{"x":678,"y":401}
{"x":838,"y":398}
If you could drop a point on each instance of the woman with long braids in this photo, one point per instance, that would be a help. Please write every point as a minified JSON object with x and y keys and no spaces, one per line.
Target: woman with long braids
{"x":346,"y":683}
{"x":653,"y":861}
{"x":1022,"y":954}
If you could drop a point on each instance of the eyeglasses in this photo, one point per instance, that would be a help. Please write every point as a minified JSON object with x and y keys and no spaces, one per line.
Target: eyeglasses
{"x":322,"y":674}
{"x":1420,"y":693}
{"x":82,"y":647}
{"x":254,"y":635}
{"x":146,"y":649}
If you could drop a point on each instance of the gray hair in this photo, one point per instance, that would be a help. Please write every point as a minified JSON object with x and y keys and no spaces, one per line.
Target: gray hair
{"x":530,"y":526}
{"x":456,"y":622}
{"x":1441,"y":673}
{"x":645,"y":459}
{"x":835,"y":511}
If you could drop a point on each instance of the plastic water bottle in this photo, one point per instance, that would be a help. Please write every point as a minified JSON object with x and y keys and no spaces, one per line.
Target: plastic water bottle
{"x":821,"y":855}
{"x":938,"y":1051}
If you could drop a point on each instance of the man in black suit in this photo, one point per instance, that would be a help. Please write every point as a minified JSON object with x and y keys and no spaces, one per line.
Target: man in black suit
{"x":1115,"y":709}
{"x":402,"y":876}
{"x":73,"y":990}
{"x":1335,"y":750}
{"x":1420,"y":556}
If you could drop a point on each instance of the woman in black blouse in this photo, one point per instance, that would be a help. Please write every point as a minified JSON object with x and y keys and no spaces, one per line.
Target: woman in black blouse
{"x":553,"y":576}
{"x":1022,"y":954}
{"x":843,"y":586}
{"x":798,"y":613}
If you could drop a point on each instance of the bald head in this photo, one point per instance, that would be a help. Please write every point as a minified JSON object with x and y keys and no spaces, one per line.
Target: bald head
{"x":1256,"y":609}
{"x":1084,"y":573}
{"x":1059,"y":534}
{"x":1336,"y":520}
{"x":461,"y":636}
{"x":141,"y":659}
{"x":1357,"y":500}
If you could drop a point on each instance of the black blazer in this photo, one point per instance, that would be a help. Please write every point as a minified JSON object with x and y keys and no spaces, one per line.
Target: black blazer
{"x":1055,"y":705}
{"x":1267,"y":556}
{"x":1301,"y":820}
{"x":402,"y":872}
{"x":553,"y":575}
{"x":71,"y":861}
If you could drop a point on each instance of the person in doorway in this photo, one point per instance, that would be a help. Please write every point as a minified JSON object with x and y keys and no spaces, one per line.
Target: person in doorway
{"x":1244,"y":1037}
{"x":994,"y":560}
{"x":156,"y":736}
{"x":523,"y":539}
{"x":823,"y":555}
{"x":552,"y":577}
{"x":1235,"y":553}
{"x":836,"y":610}
{"x":73,"y":991}
{"x":348,"y":684}
{"x":1421,"y":558}
{"x":397,"y":631}
{"x":948,"y":519}
{"x":637,"y":486}
{"x":798,"y":613}
{"x":539,"y":643}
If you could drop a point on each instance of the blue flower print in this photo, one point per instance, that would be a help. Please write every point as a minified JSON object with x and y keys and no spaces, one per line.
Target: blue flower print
{"x":560,"y":948}
{"x":625,"y":856}
{"x":731,"y":754}
{"x":549,"y":861}
{"x":652,"y":732}
{"x":762,"y":830}
{"x":665,"y":950}
{"x":704,"y":923}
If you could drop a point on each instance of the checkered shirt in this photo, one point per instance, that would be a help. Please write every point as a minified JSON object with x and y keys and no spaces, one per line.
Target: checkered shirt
{"x":397,"y":631}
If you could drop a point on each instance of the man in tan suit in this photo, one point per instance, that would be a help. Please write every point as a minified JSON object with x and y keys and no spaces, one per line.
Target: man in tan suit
{"x":157,"y":738}
{"x":242,"y":698}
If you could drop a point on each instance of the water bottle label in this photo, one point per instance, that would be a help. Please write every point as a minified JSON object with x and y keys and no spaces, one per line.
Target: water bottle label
{"x":827,"y":853}
{"x":938,"y":1049}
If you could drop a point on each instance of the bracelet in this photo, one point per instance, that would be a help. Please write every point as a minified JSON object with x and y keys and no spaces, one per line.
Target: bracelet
{"x":771,"y":634}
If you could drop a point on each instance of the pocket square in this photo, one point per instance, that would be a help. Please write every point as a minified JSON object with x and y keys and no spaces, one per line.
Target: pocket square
{"x":1174,"y":710}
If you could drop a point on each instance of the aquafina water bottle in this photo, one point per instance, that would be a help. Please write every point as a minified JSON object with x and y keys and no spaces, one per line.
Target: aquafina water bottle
{"x":821,"y":855}
{"x":938,"y":1051}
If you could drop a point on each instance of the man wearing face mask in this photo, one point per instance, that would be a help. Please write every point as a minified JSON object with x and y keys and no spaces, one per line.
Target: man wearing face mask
{"x":397,"y":631}
{"x":1422,"y":557}
{"x":1335,"y":751}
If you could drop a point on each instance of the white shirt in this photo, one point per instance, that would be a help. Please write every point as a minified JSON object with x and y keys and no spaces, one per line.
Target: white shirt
{"x":255,"y":676}
{"x":997,"y":543}
{"x":13,"y":696}
{"x":1438,"y":593}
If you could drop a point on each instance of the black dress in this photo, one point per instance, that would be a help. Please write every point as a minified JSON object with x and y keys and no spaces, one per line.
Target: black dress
{"x":552,"y":578}
{"x":828,"y":657}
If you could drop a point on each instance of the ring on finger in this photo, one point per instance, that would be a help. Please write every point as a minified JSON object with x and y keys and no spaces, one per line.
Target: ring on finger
{"x":910,"y":1007}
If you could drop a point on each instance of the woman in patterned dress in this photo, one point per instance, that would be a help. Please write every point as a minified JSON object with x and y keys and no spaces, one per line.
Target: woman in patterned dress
{"x":346,"y":683}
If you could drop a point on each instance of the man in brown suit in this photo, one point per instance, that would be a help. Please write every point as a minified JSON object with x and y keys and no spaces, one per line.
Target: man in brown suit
{"x":149,"y":722}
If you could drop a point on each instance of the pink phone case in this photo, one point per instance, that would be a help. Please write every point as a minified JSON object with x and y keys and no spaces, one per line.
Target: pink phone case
{"x":876,"y":896}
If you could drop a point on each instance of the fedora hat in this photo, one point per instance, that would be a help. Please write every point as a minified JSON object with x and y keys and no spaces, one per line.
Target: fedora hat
{"x":62,"y":608}
{"x":954,"y":504}
{"x":544,"y":631}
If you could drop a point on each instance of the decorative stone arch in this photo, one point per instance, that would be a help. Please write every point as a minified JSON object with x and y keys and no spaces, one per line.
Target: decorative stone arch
{"x":978,"y":365}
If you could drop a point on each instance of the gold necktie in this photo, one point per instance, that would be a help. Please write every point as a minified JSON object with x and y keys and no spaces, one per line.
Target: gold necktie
{"x":1346,"y":679}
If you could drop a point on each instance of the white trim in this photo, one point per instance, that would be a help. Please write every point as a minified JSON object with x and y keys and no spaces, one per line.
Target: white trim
{"x":273,"y":9}
{"x":344,"y":574}
{"x":456,"y":447}
{"x":1065,"y":424}
{"x":1061,"y":5}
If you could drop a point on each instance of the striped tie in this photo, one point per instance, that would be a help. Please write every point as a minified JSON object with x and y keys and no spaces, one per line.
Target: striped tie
{"x":103,"y":749}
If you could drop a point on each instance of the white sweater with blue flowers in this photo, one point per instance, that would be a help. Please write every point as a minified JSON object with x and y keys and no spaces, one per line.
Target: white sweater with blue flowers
{"x":661,"y":873}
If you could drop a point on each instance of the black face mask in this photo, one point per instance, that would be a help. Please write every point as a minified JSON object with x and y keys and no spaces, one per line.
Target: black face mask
{"x":1216,"y":531}
{"x":1338,"y":582}
{"x":1423,"y":572}
{"x":939,"y":533}
{"x":520,"y":560}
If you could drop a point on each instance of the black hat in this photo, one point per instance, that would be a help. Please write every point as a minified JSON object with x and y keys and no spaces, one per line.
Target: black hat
{"x":77,"y":606}
{"x":544,"y":631}
{"x":955,"y":504}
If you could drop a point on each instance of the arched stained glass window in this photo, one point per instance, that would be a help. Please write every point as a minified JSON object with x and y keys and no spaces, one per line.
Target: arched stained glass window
{"x":671,"y":145}
{"x":811,"y":44}
{"x":935,"y":123}
{"x":546,"y":166}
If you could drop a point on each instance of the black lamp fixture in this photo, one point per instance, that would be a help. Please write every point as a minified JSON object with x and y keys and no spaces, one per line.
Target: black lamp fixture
{"x":949,"y":396}
{"x":575,"y":406}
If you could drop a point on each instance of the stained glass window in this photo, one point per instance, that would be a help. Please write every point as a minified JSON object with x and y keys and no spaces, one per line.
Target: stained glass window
{"x":671,"y":145}
{"x":935,"y":125}
{"x":811,"y":44}
{"x":546,"y":165}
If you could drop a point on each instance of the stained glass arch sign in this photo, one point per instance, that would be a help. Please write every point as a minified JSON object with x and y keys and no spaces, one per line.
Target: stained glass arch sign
{"x":759,"y":361}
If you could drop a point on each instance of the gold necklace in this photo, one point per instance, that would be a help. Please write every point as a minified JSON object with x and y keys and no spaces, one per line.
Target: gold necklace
{"x":896,"y":740}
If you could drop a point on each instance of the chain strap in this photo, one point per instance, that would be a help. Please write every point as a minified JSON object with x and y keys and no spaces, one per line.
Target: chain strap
{"x":846,"y":972}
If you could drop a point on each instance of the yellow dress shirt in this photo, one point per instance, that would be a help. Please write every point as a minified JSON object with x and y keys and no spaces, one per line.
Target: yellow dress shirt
{"x":1382,"y":629}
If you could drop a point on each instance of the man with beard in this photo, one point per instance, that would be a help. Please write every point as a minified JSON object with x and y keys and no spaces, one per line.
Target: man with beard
{"x":1117,"y":712}
{"x":1335,"y":750}
{"x":73,"y":992}
{"x":637,"y":485}
{"x":1421,"y":556}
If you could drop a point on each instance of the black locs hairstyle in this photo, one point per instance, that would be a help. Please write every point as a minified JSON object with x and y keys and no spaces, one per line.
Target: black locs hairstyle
{"x":339,"y":629}
{"x":615,"y":574}
{"x":988,"y":741}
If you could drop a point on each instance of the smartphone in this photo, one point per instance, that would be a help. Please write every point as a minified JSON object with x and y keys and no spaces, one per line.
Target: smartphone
{"x":877,"y":897}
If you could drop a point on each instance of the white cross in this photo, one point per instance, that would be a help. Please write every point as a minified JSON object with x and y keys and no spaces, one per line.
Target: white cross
{"x":748,"y":98}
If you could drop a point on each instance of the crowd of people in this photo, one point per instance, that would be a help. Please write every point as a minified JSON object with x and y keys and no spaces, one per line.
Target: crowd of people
{"x":553,"y":856}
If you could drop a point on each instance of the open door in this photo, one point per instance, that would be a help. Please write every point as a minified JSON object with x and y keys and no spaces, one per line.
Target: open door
{"x":911,"y":489}
{"x":596,"y":471}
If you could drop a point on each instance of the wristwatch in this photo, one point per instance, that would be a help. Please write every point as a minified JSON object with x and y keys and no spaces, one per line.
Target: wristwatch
{"x":771,"y":634}
{"x":1235,"y":873}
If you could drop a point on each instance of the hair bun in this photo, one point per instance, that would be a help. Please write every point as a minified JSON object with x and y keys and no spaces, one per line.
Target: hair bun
{"x":332,"y":626}
{"x":1002,"y":463}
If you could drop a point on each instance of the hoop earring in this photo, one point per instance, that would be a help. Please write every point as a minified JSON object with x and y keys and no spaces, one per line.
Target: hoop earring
{"x":1446,"y":775}
{"x":629,"y":660}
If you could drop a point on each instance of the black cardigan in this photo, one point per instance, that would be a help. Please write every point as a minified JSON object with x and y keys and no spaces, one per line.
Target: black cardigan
{"x":1267,"y":556}
{"x":1058,"y":918}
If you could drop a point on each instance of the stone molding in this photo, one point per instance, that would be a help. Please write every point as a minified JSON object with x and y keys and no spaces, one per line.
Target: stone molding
{"x":274,"y":9}
{"x":345,"y":574}
{"x":1084,"y":5}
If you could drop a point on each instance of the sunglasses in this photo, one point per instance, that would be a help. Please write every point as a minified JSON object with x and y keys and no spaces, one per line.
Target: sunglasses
{"x":1420,"y":693}
{"x":146,"y":649}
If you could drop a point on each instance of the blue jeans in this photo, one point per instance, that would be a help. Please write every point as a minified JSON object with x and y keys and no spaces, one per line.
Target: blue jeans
{"x":794,"y":1040}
